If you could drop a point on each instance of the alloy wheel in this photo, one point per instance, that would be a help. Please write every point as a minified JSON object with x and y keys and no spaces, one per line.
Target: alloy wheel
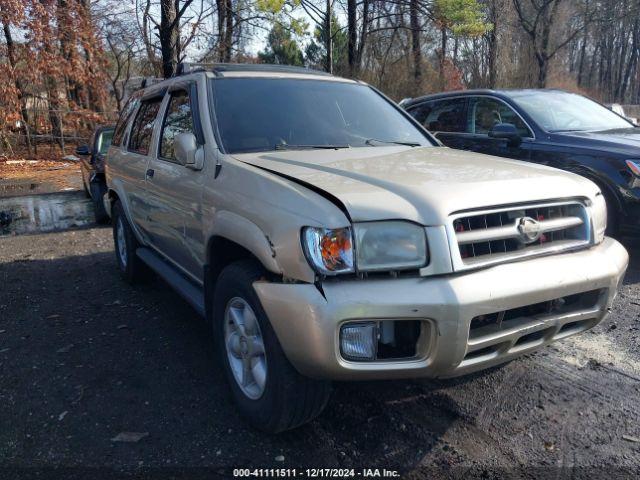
{"x":245,"y":348}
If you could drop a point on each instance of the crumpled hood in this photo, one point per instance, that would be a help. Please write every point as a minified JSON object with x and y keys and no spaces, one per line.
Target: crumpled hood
{"x":423,"y":184}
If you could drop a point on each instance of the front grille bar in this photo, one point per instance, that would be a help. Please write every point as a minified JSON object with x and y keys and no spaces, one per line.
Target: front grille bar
{"x":511,"y":230}
{"x":486,"y":237}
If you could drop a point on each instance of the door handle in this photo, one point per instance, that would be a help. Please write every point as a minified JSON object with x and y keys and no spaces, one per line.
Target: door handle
{"x":150,"y":172}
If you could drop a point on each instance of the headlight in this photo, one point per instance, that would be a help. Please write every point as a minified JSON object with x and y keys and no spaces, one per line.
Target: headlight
{"x":599,"y":218}
{"x":329,"y":251}
{"x":390,"y":245}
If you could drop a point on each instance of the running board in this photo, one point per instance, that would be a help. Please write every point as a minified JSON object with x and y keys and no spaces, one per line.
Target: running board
{"x":190,"y":292}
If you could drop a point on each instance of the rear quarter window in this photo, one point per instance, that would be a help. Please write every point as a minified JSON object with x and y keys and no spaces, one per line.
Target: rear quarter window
{"x":123,"y":121}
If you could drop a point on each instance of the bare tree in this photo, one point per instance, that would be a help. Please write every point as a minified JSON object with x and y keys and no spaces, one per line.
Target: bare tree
{"x":539,"y":19}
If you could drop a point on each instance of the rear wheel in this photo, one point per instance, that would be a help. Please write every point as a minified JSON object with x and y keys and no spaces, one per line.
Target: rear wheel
{"x":267,"y":389}
{"x":97,"y":191}
{"x":131,"y":267}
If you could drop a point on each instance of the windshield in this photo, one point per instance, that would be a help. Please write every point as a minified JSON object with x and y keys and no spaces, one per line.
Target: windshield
{"x":565,"y":112}
{"x":105,"y":141}
{"x":262,"y":114}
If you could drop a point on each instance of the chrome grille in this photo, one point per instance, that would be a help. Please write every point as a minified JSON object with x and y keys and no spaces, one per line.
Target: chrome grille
{"x":498,"y":235}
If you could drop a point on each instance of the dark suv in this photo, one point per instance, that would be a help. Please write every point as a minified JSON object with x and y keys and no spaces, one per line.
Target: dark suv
{"x":92,"y":159}
{"x":550,"y":127}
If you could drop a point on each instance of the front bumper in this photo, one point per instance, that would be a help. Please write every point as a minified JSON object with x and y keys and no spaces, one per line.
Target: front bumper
{"x":307,"y":323}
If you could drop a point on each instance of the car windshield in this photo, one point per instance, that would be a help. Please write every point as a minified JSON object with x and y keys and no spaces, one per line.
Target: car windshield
{"x":105,"y":141}
{"x":262,"y":114}
{"x":564,"y":112}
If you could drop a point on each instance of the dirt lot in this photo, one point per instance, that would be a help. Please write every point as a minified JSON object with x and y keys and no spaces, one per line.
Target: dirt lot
{"x":19,"y":176}
{"x":84,"y":357}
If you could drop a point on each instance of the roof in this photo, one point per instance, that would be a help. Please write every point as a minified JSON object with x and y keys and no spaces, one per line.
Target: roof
{"x":507,"y":92}
{"x":222,"y":70}
{"x":247,"y":69}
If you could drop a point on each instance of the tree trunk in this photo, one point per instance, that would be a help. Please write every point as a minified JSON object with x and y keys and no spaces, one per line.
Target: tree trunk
{"x":353,"y":37}
{"x":328,"y":37}
{"x":168,"y":37}
{"x":543,"y":70}
{"x":583,"y":54}
{"x":416,"y":49}
{"x":148,"y":45}
{"x":443,"y":54}
{"x":632,"y":61}
{"x":228,"y":39}
{"x":11,"y":56}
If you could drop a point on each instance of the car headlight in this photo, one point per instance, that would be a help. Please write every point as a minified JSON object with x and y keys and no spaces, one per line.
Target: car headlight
{"x":379,"y":246}
{"x":390,"y":245}
{"x":329,"y":251}
{"x":599,"y":218}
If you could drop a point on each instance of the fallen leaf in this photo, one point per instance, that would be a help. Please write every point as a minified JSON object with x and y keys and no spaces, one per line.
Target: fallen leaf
{"x":549,"y":446}
{"x":129,"y":437}
{"x":280,"y":458}
{"x":62,"y":415}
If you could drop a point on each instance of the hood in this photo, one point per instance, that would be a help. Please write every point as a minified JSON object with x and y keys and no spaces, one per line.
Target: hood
{"x":424,"y":184}
{"x":622,"y":140}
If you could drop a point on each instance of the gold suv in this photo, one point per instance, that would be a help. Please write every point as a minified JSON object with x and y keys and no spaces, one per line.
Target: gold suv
{"x":326,"y":235}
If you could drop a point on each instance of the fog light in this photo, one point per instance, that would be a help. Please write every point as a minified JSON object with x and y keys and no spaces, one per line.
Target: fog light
{"x":358,"y":341}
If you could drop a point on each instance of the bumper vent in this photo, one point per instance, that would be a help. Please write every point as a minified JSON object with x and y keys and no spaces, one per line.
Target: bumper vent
{"x":495,"y":236}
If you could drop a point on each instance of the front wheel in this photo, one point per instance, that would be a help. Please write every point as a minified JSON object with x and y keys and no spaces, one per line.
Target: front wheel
{"x":267,"y":389}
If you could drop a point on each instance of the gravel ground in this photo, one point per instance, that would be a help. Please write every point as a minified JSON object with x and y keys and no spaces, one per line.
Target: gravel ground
{"x":85,"y":357}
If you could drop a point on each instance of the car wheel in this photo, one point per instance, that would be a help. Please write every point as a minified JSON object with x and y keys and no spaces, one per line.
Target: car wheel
{"x":268,"y":391}
{"x":87,"y":193}
{"x":132,"y":269}
{"x":100,"y":213}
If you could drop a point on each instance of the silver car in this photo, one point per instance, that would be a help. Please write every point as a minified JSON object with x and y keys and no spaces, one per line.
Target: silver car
{"x":325,"y":235}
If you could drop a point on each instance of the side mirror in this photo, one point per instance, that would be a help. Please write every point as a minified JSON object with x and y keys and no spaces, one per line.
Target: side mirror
{"x":185,"y":147}
{"x":506,"y":131}
{"x":83,"y":150}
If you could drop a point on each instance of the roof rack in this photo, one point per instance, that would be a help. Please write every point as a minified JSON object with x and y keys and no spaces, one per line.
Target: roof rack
{"x":185,"y":68}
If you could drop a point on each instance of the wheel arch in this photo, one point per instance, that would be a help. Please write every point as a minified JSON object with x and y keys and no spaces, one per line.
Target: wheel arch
{"x":234,"y":238}
{"x":605,"y":185}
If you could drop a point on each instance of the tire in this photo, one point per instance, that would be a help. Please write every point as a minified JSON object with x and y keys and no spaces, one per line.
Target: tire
{"x":100,"y":213}
{"x":132,"y":269}
{"x":286,"y":399}
{"x":87,"y":193}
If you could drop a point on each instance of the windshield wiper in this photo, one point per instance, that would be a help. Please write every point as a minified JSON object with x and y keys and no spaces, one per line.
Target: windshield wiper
{"x":372,"y":142}
{"x":286,"y":146}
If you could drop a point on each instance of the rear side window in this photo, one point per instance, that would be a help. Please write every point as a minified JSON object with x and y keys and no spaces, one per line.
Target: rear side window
{"x":442,"y":115}
{"x":125,"y":115}
{"x":178,"y":120}
{"x":142,"y":128}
